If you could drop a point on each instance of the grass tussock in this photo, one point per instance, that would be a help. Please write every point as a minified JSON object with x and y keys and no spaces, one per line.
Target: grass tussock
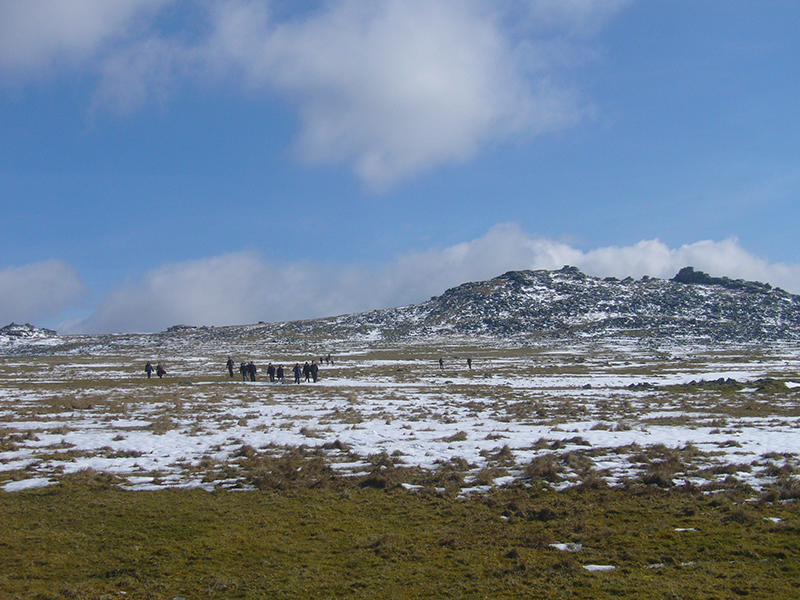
{"x":296,"y":468}
{"x":460,"y":436}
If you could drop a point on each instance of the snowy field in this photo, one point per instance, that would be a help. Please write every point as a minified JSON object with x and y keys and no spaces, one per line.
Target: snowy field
{"x":619,"y":411}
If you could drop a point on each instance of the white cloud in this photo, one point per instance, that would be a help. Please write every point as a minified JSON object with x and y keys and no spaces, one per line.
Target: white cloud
{"x":245,"y":288}
{"x":234,"y":288}
{"x":39,"y":34}
{"x":390,"y":88}
{"x":400,"y":86}
{"x":37,"y":291}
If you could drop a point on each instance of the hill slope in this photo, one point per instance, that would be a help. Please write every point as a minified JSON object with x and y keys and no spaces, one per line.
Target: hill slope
{"x":518,"y":304}
{"x":567,"y":302}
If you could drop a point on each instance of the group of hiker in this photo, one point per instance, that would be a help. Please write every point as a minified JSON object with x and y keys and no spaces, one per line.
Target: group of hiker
{"x":159,"y":370}
{"x":308,"y":372}
{"x":248,"y":370}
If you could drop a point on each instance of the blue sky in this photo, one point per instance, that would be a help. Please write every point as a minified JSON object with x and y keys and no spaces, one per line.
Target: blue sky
{"x":231,"y":161}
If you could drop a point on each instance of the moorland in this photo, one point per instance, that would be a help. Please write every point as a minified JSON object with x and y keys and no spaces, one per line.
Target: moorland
{"x":622,"y":466}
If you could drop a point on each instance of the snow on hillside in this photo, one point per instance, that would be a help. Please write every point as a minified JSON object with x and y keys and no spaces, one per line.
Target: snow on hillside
{"x":14,"y":336}
{"x":694,"y":381}
{"x":72,"y":412}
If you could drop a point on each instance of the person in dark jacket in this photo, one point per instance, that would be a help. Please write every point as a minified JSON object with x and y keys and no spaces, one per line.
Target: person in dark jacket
{"x":271,"y":372}
{"x":160,"y":371}
{"x":314,"y":371}
{"x":297,"y":372}
{"x":148,"y":368}
{"x":243,"y":371}
{"x":229,"y":365}
{"x":307,"y":372}
{"x":279,"y":373}
{"x":251,"y":370}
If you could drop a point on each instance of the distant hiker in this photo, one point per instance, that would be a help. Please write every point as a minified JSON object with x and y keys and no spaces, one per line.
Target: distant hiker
{"x":271,"y":372}
{"x":229,"y":364}
{"x":297,"y":372}
{"x":148,"y":368}
{"x":251,"y":370}
{"x":329,"y":360}
{"x":314,"y":371}
{"x":469,"y":363}
{"x":160,"y":371}
{"x":279,"y":373}
{"x":307,"y":372}
{"x":243,"y":371}
{"x":441,"y":363}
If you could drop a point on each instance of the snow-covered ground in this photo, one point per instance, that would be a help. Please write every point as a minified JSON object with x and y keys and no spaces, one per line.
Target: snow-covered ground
{"x":607,"y":403}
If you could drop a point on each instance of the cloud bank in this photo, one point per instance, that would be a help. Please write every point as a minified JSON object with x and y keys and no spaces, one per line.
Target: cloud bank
{"x":39,"y":291}
{"x":390,"y":88}
{"x":245,"y":287}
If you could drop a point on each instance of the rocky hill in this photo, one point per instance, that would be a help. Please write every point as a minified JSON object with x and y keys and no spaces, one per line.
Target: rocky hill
{"x":568,"y":303}
{"x":14,"y":335}
{"x":516,"y":305}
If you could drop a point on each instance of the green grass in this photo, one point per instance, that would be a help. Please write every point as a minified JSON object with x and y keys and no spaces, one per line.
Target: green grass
{"x":85,"y":538}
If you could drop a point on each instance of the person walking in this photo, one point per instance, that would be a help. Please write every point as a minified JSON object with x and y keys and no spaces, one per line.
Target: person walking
{"x":307,"y":372}
{"x":160,"y":371}
{"x":314,"y":371}
{"x":251,"y":370}
{"x":297,"y":372}
{"x":229,"y":365}
{"x":279,"y":373}
{"x":148,"y":368}
{"x":271,"y":372}
{"x":243,"y":371}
